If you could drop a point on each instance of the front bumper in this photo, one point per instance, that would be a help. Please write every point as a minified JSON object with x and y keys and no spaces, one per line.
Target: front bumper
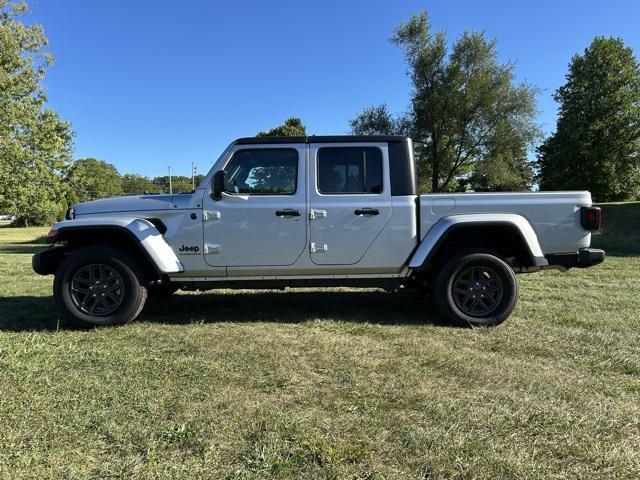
{"x":583,"y":258}
{"x":47,"y":261}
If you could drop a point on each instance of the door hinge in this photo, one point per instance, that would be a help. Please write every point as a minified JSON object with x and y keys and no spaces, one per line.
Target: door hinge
{"x":319,"y":248}
{"x":212,"y":249}
{"x":315,"y":214}
{"x":211,"y":215}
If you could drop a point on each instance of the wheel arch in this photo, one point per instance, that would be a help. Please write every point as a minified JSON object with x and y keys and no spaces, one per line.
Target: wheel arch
{"x":138,"y":237}
{"x":508,"y":235}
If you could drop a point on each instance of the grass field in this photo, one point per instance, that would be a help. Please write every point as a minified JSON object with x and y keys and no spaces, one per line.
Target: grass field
{"x":327,"y":383}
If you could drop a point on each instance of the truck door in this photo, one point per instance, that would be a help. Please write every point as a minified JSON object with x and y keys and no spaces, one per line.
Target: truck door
{"x":349,"y":200}
{"x":261,"y":218}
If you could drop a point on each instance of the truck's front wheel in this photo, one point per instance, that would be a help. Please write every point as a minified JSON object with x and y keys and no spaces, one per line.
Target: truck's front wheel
{"x":478,"y":288}
{"x":99,"y":285}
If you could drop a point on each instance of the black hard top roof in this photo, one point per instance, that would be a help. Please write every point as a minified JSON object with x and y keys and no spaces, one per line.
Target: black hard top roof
{"x":321,"y":139}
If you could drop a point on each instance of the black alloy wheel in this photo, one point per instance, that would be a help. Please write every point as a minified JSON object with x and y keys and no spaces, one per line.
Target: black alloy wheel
{"x":475,"y":287}
{"x":477,"y":291}
{"x":99,"y":285}
{"x":97,"y":289}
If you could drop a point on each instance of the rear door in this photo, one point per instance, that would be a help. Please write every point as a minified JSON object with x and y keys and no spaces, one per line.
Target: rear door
{"x":349,"y":200}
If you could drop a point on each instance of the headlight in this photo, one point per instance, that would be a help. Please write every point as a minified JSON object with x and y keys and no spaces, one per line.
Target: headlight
{"x":71,"y":214}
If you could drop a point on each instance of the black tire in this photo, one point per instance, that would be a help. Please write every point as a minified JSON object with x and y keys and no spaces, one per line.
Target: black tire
{"x":477,"y":288}
{"x":79,"y":294}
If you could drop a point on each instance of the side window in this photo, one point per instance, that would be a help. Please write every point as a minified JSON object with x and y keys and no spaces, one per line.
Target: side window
{"x":263,"y":171}
{"x":350,"y":170}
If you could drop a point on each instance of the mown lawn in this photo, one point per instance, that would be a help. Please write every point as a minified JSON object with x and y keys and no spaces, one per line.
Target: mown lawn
{"x":327,"y":383}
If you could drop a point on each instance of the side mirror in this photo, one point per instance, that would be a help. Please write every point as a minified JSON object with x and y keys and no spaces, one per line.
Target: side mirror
{"x":219,"y":184}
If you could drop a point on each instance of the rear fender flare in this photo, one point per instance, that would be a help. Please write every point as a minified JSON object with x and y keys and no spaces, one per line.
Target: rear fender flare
{"x":439,"y":232}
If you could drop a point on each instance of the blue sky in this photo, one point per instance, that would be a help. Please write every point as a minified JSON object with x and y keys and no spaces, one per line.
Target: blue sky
{"x":152,"y":83}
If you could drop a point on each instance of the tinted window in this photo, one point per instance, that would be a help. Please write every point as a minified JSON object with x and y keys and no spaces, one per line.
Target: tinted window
{"x":263,"y":171}
{"x":350,"y":170}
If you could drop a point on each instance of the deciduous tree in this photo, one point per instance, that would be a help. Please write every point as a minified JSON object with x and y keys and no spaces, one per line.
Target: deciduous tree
{"x":91,"y":179}
{"x":596,"y":145}
{"x":292,"y":127}
{"x":35,"y":144}
{"x":472,"y":124}
{"x":134,"y":184}
{"x":179,"y":184}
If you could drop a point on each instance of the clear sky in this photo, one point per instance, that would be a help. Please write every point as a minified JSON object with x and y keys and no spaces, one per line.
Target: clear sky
{"x":152,"y":83}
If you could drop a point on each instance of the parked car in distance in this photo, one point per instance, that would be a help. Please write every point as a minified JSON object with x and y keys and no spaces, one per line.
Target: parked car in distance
{"x":278,"y":212}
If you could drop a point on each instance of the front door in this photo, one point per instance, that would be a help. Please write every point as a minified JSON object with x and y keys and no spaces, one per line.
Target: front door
{"x":261,"y":218}
{"x":349,"y":200}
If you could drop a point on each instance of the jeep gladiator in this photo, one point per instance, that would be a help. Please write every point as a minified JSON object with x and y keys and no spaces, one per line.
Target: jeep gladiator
{"x":314,"y":211}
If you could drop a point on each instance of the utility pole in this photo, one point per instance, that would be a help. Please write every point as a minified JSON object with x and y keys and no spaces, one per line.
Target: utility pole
{"x":193,"y":175}
{"x":170,"y":186}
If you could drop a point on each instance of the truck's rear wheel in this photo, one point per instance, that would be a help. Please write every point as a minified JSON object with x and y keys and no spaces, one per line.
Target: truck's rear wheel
{"x":478,"y":288}
{"x":99,"y":285}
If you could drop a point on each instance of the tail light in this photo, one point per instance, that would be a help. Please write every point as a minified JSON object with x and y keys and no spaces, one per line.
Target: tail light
{"x":591,"y":218}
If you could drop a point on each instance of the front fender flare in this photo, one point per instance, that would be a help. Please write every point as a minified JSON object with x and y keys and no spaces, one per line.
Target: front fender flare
{"x":443,"y":227}
{"x":139,"y":230}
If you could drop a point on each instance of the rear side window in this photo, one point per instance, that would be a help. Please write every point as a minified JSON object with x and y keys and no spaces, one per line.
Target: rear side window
{"x":263,"y":171}
{"x":350,"y":170}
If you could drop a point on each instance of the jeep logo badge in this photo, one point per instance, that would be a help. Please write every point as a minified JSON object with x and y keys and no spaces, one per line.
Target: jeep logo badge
{"x":189,"y":249}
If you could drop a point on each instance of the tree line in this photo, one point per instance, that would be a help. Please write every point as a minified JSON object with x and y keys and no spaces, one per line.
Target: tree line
{"x":473,"y":125}
{"x":90,"y":179}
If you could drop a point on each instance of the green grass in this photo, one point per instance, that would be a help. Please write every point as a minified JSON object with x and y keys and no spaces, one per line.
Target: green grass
{"x":621,"y":235}
{"x":331,"y":383}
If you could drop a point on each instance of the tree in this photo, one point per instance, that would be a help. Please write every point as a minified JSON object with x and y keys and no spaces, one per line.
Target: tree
{"x":35,"y":145}
{"x":498,"y":171}
{"x":596,"y":145}
{"x":471,"y":123}
{"x":292,"y":127}
{"x":91,"y":179}
{"x":378,"y":120}
{"x":134,"y":184}
{"x":198,"y":179}
{"x":179,"y":184}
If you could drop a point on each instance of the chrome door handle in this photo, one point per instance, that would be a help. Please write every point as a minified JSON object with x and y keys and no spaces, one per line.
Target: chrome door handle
{"x":211,"y":215}
{"x":319,"y":247}
{"x":212,"y":249}
{"x":315,"y":214}
{"x":288,"y":212}
{"x":366,"y":211}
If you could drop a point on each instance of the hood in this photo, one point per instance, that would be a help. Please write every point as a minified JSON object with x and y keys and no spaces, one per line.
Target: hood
{"x":125,"y":204}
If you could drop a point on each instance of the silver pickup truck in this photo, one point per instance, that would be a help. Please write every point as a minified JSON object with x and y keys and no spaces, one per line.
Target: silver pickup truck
{"x":314,"y":211}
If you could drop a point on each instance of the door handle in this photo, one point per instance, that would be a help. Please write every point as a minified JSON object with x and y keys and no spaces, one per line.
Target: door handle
{"x":315,"y":214}
{"x":288,"y":212}
{"x":211,"y":215}
{"x":212,"y":249}
{"x":319,"y":248}
{"x":366,"y":211}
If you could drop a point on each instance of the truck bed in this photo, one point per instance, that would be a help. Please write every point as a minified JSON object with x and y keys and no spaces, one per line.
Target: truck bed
{"x":554,"y":216}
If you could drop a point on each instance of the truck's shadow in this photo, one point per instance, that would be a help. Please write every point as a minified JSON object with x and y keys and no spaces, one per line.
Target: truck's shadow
{"x":39,"y":313}
{"x":295,"y":307}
